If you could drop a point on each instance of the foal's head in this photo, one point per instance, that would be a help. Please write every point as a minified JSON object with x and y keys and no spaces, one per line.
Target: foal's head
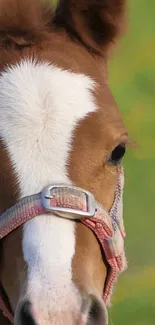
{"x":59,"y":123}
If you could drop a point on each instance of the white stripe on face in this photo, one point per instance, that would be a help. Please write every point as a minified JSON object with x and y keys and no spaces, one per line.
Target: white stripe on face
{"x":40,"y":107}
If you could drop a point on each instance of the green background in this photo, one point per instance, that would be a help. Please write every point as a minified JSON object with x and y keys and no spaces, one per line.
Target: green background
{"x":132,"y":81}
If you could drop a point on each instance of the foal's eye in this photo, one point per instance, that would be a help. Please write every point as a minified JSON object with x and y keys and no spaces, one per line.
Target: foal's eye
{"x":117,"y":154}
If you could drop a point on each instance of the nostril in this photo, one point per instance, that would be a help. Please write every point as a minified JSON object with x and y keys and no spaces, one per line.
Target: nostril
{"x":25,"y":314}
{"x":97,"y":313}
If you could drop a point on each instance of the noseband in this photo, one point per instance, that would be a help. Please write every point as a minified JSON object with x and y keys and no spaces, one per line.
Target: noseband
{"x":74,"y":203}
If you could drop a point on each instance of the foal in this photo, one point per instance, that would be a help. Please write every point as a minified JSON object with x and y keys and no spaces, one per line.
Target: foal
{"x":59,"y":124}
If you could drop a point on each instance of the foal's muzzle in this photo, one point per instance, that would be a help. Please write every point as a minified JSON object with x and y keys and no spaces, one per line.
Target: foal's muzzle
{"x":93,"y":312}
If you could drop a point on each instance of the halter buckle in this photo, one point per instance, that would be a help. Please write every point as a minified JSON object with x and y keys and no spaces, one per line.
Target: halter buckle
{"x":48,"y":194}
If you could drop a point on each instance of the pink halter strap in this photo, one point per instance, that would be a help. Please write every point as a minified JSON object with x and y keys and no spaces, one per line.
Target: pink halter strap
{"x":74,"y":203}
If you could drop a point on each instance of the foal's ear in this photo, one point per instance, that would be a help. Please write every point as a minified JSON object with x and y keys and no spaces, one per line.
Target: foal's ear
{"x":95,"y":23}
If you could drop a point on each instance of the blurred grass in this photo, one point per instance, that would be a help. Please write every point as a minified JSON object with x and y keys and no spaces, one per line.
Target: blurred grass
{"x":132,"y":80}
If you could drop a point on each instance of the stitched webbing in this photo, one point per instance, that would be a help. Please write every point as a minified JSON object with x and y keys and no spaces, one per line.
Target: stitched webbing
{"x":24,"y":210}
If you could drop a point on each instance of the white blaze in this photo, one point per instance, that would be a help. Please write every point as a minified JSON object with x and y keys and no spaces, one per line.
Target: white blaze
{"x":40,"y":105}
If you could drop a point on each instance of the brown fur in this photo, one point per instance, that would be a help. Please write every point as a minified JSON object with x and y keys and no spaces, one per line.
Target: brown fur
{"x":7,"y":179}
{"x":4,"y":320}
{"x":78,"y":38}
{"x":95,"y":23}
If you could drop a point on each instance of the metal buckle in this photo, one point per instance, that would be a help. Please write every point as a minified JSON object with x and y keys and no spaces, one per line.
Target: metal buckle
{"x":46,"y":196}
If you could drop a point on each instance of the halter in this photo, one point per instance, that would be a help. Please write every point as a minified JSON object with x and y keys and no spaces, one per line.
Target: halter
{"x":74,"y":203}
